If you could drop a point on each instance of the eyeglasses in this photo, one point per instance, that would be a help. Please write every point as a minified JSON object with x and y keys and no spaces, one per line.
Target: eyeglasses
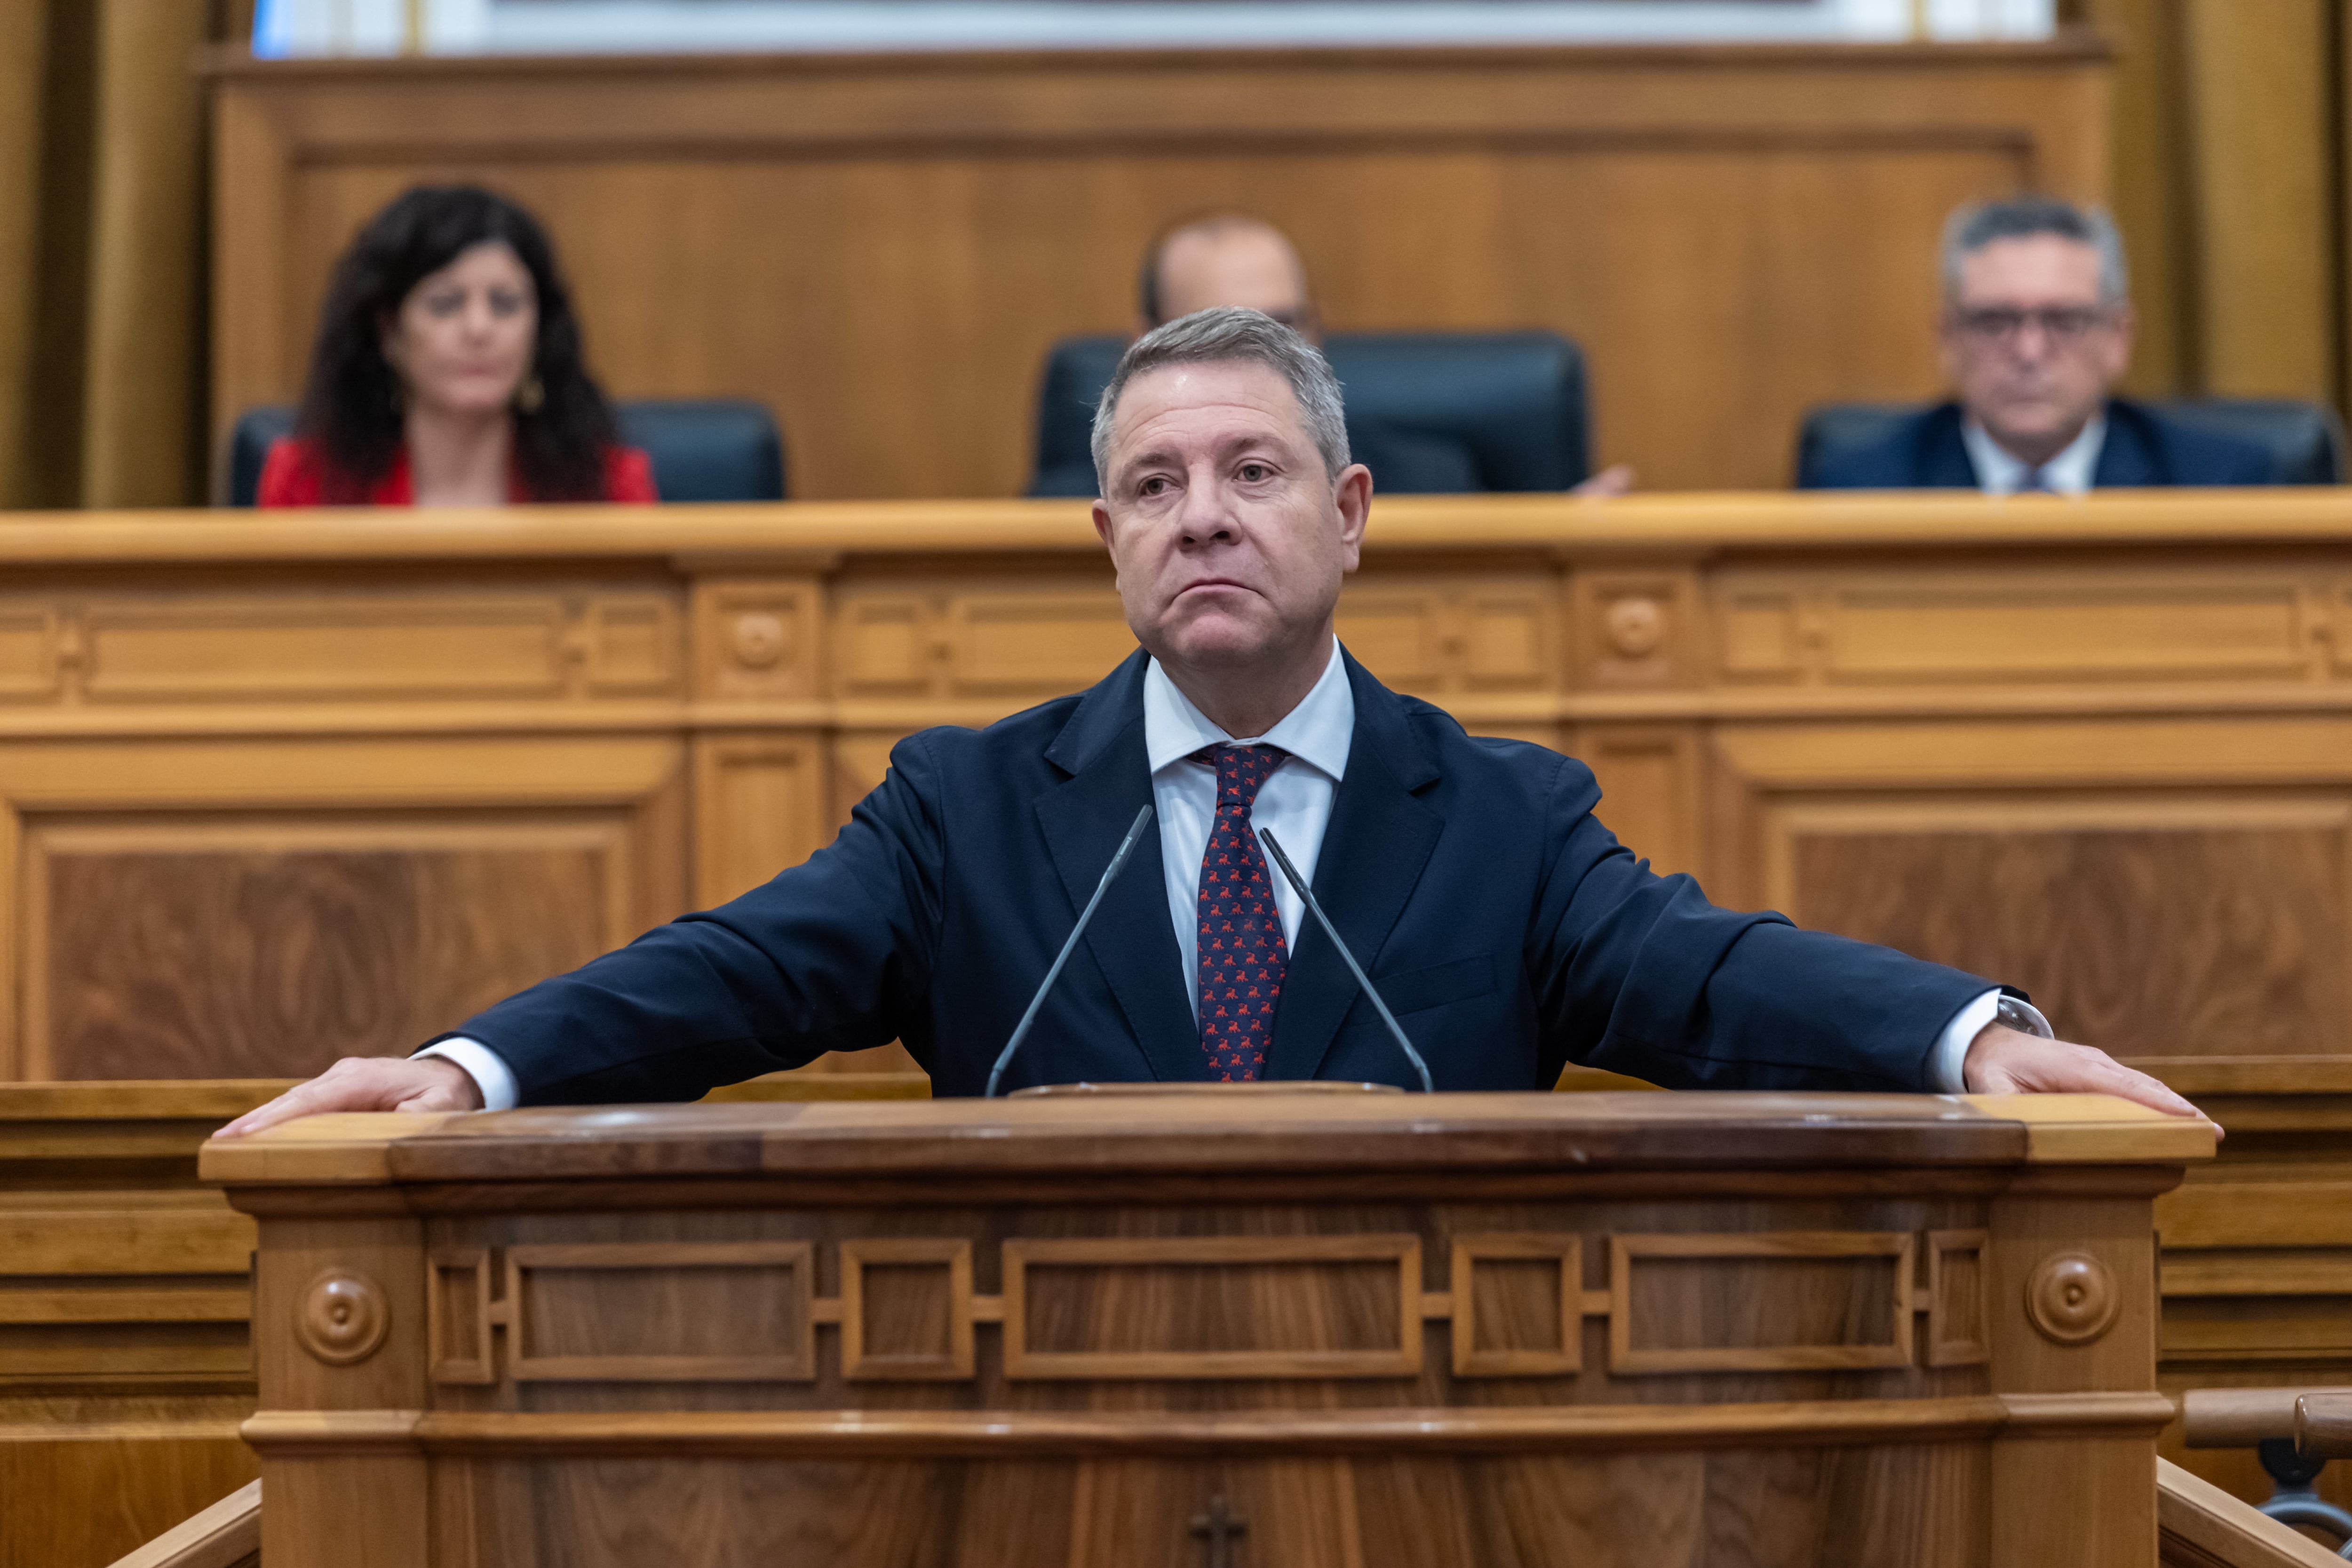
{"x":2065,"y":326}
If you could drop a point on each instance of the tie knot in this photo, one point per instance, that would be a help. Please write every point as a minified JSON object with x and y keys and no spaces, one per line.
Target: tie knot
{"x":1242,"y":772}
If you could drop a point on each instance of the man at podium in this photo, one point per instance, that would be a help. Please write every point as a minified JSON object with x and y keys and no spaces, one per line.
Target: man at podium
{"x":1505,"y":929}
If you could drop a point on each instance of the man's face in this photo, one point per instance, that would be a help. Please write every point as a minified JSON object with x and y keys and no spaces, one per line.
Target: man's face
{"x":1237,"y":266}
{"x":1229,"y":537}
{"x":2028,"y":343}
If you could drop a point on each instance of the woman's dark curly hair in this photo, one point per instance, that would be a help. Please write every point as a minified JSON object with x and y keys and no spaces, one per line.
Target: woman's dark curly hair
{"x":351,"y":406}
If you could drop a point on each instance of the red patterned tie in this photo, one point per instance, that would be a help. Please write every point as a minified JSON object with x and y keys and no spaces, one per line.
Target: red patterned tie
{"x":1242,"y":957}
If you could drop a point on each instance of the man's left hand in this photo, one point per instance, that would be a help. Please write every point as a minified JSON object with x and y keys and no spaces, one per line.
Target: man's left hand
{"x":2003,"y":1061}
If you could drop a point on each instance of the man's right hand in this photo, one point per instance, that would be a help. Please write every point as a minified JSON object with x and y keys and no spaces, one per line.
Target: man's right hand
{"x":368,"y":1083}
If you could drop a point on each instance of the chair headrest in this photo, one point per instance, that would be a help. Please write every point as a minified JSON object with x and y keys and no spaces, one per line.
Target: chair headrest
{"x":1496,"y":411}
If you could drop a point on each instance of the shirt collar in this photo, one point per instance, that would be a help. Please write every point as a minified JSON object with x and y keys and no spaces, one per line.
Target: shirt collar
{"x":2069,"y":473}
{"x":1318,"y":732}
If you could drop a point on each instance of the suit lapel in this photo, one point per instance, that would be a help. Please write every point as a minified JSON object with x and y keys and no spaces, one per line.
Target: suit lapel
{"x":1084,"y":818}
{"x":1374,"y":850}
{"x":1944,"y":462}
{"x":2127,"y":458}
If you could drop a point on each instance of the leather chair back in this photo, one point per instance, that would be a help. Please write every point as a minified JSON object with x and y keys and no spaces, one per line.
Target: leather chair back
{"x":703,"y":449}
{"x":1454,"y":411}
{"x":2305,"y":440}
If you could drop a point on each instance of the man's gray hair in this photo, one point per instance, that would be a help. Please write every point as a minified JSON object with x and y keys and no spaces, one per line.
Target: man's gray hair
{"x":1225,"y":333}
{"x":1972,"y":227}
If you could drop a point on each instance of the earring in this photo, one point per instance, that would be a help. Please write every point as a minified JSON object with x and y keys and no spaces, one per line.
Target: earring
{"x":529,"y":395}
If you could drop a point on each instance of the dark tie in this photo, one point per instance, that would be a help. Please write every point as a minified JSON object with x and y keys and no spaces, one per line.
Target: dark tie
{"x":2035,"y":483}
{"x":1241,"y":953}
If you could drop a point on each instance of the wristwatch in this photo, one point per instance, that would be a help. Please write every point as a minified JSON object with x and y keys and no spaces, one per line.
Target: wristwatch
{"x":2017,"y":1013}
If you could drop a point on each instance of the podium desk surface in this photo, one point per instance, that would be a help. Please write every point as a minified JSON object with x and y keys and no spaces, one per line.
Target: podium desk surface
{"x":1227,"y":1130}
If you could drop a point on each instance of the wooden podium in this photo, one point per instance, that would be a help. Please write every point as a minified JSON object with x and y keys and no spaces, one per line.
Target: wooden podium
{"x":1263,"y":1328}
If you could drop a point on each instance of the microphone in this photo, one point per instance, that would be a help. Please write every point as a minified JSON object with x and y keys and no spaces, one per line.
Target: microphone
{"x":1021,"y":1030}
{"x":1306,"y":896}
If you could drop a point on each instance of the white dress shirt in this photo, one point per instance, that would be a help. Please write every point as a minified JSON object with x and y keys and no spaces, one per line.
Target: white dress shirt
{"x":1999,"y":473}
{"x":1295,"y":804}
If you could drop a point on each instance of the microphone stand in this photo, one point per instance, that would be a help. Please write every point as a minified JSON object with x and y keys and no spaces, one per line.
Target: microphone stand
{"x":1306,"y":896}
{"x":1021,"y":1030}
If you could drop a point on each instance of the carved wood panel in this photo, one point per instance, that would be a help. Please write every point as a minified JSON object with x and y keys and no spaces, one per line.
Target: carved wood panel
{"x":1213,"y":1306}
{"x":255,"y":948}
{"x":2217,"y":926}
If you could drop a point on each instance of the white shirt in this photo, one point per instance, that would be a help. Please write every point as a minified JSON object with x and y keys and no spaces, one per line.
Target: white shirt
{"x":1295,"y":804}
{"x":1999,"y":473}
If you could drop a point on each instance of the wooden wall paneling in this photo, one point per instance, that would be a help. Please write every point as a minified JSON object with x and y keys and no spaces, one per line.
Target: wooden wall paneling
{"x":2112,"y":908}
{"x":85,"y":1494}
{"x":251,"y":173}
{"x":1652,"y":779}
{"x":2152,"y":186}
{"x":882,"y":247}
{"x":13,"y":937}
{"x":318,"y":898}
{"x":125,"y":1360}
{"x":2084,"y":860}
{"x":24,"y":59}
{"x":2259,"y":81}
{"x":760,"y":807}
{"x":139,"y":410}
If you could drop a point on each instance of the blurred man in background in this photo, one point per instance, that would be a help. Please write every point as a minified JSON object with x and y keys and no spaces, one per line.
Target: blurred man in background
{"x":2037,"y":330}
{"x":1232,"y":258}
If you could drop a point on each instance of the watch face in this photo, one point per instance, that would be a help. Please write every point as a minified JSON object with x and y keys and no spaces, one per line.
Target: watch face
{"x":2014,"y":1014}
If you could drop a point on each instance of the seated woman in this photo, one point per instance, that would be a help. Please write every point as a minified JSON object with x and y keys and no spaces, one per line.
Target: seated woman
{"x":448,"y":372}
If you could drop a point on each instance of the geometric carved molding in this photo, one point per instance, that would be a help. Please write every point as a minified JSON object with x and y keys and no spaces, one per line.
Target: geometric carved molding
{"x":1529,"y":1349}
{"x":560,"y":1300}
{"x":1960,"y":1297}
{"x":459,"y":1315}
{"x":1062,"y":1295}
{"x":906,"y":1310}
{"x":1755,"y":1279}
{"x":1233,"y":1307}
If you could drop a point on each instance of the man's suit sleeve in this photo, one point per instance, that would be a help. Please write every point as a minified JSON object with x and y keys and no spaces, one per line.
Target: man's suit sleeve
{"x":1638,"y":973}
{"x":831,"y":954}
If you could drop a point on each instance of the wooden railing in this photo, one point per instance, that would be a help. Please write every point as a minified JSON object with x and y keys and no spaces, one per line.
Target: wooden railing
{"x":2198,"y":1525}
{"x":225,"y":1535}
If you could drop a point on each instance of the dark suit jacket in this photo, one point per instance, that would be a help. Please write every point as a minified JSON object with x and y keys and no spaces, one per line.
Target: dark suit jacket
{"x":1507,"y":929}
{"x":2143,"y":447}
{"x":1404,"y":461}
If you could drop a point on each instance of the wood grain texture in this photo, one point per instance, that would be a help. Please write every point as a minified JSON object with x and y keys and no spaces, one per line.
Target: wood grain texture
{"x":2220,"y":939}
{"x":2215,"y":718}
{"x":225,"y":1535}
{"x":1216,"y":1333}
{"x":1776,"y":1301}
{"x":1794,"y":193}
{"x":179,"y":950}
{"x":80,"y":1495}
{"x":2201,"y":1526}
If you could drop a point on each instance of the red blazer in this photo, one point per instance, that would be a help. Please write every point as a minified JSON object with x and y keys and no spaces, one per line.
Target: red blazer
{"x":296,"y":475}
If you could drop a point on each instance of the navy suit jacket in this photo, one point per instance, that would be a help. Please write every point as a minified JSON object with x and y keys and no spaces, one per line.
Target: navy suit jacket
{"x":2142,"y":449}
{"x":1510,"y":932}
